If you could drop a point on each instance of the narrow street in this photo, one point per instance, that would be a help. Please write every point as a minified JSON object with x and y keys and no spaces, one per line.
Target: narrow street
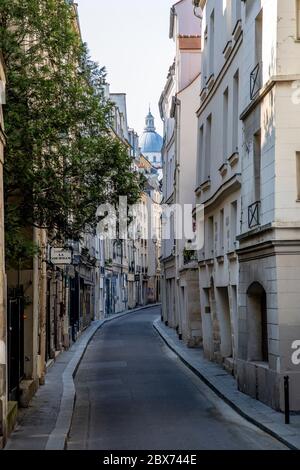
{"x":134,"y":393}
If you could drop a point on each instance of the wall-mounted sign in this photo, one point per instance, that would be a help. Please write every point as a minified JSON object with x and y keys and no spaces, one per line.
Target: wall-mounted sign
{"x":60,"y":256}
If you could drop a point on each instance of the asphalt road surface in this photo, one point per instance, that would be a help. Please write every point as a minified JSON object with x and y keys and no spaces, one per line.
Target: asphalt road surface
{"x":133,"y":393}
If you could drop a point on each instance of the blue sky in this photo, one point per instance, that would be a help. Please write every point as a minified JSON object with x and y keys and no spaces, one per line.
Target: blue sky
{"x":131,"y":39}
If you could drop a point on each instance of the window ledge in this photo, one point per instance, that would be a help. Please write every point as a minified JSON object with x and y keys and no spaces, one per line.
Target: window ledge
{"x":220,"y":259}
{"x":210,"y":82}
{"x":237,"y":30}
{"x":210,"y":262}
{"x":223,"y":169}
{"x":232,"y":256}
{"x":205,"y":186}
{"x":227,"y":50}
{"x":262,"y":364}
{"x":203,"y":93}
{"x":233,"y":159}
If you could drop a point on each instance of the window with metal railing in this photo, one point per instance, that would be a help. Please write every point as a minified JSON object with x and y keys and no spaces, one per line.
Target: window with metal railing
{"x":254,"y":215}
{"x":255,"y":81}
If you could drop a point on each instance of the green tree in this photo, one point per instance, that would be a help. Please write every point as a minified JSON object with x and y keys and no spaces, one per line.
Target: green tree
{"x":61,"y":160}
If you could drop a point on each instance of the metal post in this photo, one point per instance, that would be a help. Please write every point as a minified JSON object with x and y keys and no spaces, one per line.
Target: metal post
{"x":287,"y":399}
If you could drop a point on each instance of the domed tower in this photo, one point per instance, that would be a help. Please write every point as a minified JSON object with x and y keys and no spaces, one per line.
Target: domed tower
{"x":151,"y":142}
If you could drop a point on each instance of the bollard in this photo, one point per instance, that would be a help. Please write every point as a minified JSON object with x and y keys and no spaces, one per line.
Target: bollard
{"x":287,"y":399}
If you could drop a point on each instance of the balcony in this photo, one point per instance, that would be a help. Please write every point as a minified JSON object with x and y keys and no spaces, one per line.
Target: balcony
{"x":237,"y":30}
{"x":189,"y":256}
{"x":210,"y":82}
{"x":131,"y":267}
{"x":255,"y":81}
{"x":254,"y":215}
{"x":227,"y":50}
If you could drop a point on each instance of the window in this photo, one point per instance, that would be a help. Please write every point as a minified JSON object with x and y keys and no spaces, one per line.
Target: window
{"x":235,"y":114}
{"x":257,"y":165}
{"x":233,"y":223}
{"x":298,"y":174}
{"x":237,"y":11}
{"x":228,"y":14}
{"x":258,"y":38}
{"x":205,"y":58}
{"x":222,"y":231}
{"x":256,"y":75}
{"x":225,"y":124}
{"x":298,"y":19}
{"x":154,"y":159}
{"x":210,"y":237}
{"x":211,"y":43}
{"x":200,"y":152}
{"x":208,"y":148}
{"x":257,"y":317}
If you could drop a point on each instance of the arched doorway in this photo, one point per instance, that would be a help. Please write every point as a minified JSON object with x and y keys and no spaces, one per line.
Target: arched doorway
{"x":224,"y":321}
{"x":257,"y":322}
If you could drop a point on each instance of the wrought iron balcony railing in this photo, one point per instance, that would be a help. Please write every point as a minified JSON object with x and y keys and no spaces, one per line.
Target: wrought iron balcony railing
{"x":189,"y":256}
{"x":254,"y":215}
{"x":255,"y":81}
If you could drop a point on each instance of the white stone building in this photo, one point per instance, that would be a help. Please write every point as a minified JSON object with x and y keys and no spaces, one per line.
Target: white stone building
{"x":219,"y":176}
{"x":168,"y":286}
{"x":248,"y":180}
{"x":269,"y":242}
{"x":178,"y":105}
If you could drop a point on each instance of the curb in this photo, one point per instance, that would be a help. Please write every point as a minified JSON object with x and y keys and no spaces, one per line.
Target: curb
{"x":217,"y":391}
{"x":58,"y":438}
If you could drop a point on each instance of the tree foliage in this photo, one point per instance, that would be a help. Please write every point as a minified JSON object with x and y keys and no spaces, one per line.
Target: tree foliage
{"x":61,"y":160}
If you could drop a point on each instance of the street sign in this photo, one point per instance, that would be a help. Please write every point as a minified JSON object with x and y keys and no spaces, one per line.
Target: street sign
{"x":60,"y":256}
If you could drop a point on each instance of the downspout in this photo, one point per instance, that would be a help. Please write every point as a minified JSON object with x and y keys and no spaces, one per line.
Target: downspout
{"x":35,"y":309}
{"x":43,"y":296}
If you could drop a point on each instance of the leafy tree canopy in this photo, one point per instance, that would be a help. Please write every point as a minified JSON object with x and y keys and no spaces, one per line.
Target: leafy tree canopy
{"x":61,"y":160}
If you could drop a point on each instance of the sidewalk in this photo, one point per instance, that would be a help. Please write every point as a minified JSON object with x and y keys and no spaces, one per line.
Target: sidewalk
{"x":224,"y":385}
{"x":45,"y":424}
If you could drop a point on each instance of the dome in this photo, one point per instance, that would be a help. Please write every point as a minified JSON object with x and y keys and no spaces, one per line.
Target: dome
{"x":150,"y":141}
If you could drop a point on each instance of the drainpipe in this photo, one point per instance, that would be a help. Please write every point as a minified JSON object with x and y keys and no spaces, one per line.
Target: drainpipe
{"x":42,"y":316}
{"x":35,"y":308}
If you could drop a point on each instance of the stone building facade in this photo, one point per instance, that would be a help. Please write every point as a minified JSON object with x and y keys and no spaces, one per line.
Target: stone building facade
{"x":131,"y":268}
{"x":219,"y":178}
{"x":178,"y":104}
{"x":247,"y":166}
{"x":269,"y":240}
{"x":248,"y":180}
{"x":170,"y":314}
{"x":48,"y":306}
